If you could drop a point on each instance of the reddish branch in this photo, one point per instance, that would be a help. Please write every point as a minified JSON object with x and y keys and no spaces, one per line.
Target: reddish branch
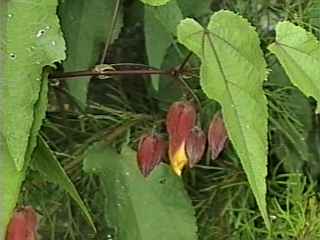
{"x":70,"y":75}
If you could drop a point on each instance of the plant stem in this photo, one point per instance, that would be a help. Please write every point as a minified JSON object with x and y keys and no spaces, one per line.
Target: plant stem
{"x":190,"y":91}
{"x":108,"y":73}
{"x":185,"y":61}
{"x":110,"y":34}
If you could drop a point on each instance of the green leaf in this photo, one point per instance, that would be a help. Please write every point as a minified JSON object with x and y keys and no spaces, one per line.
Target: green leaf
{"x":195,"y":8}
{"x":169,"y":88}
{"x":11,"y":179}
{"x":160,"y":27}
{"x":40,"y":109}
{"x":141,"y":208}
{"x":86,"y":26}
{"x":48,"y":165}
{"x":155,"y":2}
{"x":232,"y":72}
{"x":299,"y":54}
{"x":10,"y":183}
{"x":33,"y":40}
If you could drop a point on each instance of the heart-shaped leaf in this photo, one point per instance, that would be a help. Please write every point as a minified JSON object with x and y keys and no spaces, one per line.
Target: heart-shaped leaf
{"x":299,"y":54}
{"x":232,"y":72}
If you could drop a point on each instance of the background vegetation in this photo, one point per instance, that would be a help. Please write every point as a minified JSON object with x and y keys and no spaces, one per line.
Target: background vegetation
{"x":117,"y":110}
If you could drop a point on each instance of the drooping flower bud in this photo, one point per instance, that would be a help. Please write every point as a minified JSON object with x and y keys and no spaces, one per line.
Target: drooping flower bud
{"x":151,"y":149}
{"x":217,"y":136}
{"x":181,"y":118}
{"x":23,"y":225}
{"x":195,"y":146}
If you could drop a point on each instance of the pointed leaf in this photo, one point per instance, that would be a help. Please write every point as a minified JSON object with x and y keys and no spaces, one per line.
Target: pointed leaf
{"x":160,"y":27}
{"x":47,"y":164}
{"x":169,"y":88}
{"x":33,"y":40}
{"x":141,"y":208}
{"x":39,"y":114}
{"x":86,"y":26}
{"x":299,"y":54}
{"x":232,"y":72}
{"x":25,"y":93}
{"x":12,"y":176}
{"x":10,"y":183}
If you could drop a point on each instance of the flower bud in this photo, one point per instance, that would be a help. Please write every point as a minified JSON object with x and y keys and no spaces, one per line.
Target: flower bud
{"x":195,"y":146}
{"x":181,"y":118}
{"x":217,"y":136}
{"x":150,"y":152}
{"x":23,"y":225}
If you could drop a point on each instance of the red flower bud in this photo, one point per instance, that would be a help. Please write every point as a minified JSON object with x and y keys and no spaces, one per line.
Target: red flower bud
{"x":217,"y":136}
{"x":150,"y":152}
{"x":195,"y":146}
{"x":23,"y":225}
{"x":181,"y":118}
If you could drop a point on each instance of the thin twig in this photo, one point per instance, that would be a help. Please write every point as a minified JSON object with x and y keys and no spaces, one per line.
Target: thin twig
{"x":108,"y":73}
{"x":70,"y":97}
{"x":190,"y":91}
{"x":185,"y":61}
{"x":133,"y":65}
{"x":110,"y":34}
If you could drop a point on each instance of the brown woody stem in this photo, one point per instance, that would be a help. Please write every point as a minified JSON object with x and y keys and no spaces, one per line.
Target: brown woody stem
{"x":108,"y":73}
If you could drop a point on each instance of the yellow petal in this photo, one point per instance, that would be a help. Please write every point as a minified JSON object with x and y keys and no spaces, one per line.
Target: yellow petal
{"x":178,"y":159}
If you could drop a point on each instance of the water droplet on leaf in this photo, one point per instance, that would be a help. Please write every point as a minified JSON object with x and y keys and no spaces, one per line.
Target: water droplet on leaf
{"x":40,"y":33}
{"x":12,"y":55}
{"x":109,"y":237}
